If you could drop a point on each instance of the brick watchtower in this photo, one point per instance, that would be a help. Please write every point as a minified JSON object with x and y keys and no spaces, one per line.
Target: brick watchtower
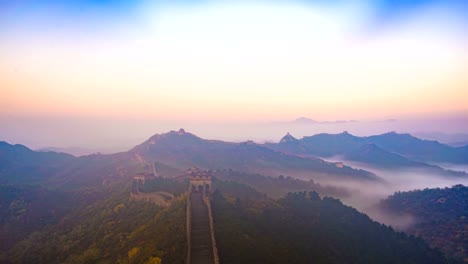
{"x":200,"y":181}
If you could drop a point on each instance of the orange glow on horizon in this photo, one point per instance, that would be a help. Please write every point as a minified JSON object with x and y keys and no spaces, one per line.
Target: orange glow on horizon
{"x":180,"y":68}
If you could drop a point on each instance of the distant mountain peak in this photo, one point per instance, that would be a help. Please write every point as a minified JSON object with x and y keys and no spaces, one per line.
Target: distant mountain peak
{"x":288,"y":138}
{"x":171,"y":134}
{"x":399,"y":135}
{"x":346,"y":134}
{"x":181,"y":132}
{"x":303,"y":119}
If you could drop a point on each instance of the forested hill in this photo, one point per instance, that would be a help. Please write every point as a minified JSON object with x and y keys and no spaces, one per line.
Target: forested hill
{"x":107,"y":229}
{"x":250,"y":228}
{"x":441,"y":216}
{"x":303,"y":228}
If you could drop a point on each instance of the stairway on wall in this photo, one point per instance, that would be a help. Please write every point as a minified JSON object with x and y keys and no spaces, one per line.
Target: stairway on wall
{"x":201,"y":244}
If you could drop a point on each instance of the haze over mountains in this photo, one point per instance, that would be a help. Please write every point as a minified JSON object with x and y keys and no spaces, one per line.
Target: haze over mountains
{"x":290,"y":156}
{"x":309,"y":121}
{"x":390,"y":150}
{"x":101,"y":133}
{"x":19,"y":164}
{"x":75,"y":151}
{"x":185,"y":149}
{"x":365,"y":168}
{"x":91,"y":170}
{"x":252,"y":174}
{"x":181,"y":150}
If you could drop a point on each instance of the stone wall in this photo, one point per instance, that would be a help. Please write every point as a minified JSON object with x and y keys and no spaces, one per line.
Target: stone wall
{"x":200,"y":181}
{"x":189,"y":227}
{"x":207,"y":201}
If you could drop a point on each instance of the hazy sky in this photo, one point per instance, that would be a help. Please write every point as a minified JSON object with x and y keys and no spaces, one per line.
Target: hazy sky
{"x":134,"y":62}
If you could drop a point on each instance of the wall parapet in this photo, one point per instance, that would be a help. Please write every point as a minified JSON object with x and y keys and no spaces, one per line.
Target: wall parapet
{"x":207,"y":201}
{"x":200,"y":182}
{"x":189,"y":227}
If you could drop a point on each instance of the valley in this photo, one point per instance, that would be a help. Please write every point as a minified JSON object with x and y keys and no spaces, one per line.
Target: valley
{"x":258,"y":191}
{"x":234,"y":132}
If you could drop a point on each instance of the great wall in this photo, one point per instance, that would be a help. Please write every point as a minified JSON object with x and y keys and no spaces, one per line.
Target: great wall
{"x":200,"y":225}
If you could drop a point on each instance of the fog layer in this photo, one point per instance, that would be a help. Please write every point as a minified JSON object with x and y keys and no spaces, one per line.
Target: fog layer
{"x":365,"y":196}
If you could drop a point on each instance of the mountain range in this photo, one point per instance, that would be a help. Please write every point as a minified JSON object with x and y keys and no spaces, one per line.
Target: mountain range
{"x":389,"y":150}
{"x":173,"y":152}
{"x":181,"y":149}
{"x":176,"y":151}
{"x":58,"y":208}
{"x":19,"y":163}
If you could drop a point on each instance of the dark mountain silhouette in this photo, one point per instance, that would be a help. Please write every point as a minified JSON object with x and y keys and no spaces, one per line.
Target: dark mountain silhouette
{"x":288,"y":138}
{"x":75,"y":151}
{"x":21,"y":164}
{"x":419,"y":149}
{"x":179,"y":150}
{"x":390,"y":150}
{"x":183,"y":149}
{"x":173,"y":152}
{"x":305,"y":120}
{"x":329,"y":145}
{"x":375,"y":155}
{"x":176,"y":151}
{"x":371,"y":153}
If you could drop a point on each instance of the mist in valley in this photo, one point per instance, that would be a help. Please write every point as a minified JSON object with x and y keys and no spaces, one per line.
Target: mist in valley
{"x":188,"y":132}
{"x":365,"y":196}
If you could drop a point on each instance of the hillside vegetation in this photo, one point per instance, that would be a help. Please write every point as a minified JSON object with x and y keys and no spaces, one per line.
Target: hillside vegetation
{"x":441,"y":216}
{"x":303,"y":228}
{"x":111,"y":229}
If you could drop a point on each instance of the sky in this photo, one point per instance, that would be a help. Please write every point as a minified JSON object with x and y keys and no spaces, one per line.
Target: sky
{"x":83,"y":70}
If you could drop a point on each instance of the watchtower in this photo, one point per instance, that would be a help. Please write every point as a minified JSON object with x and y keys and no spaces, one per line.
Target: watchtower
{"x":200,"y":180}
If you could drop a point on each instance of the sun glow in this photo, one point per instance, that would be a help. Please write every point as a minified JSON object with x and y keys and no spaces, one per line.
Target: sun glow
{"x":236,"y":61}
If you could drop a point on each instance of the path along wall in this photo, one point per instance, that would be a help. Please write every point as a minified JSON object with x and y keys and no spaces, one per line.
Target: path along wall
{"x":207,"y":201}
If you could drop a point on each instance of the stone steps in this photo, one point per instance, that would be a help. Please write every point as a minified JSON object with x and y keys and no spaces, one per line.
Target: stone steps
{"x":201,"y":244}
